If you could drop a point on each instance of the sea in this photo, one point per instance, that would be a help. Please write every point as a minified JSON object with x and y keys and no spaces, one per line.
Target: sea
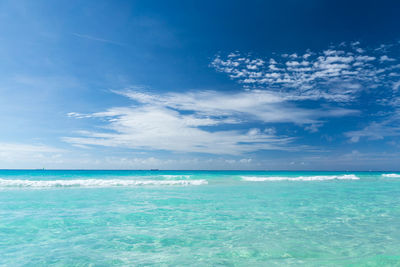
{"x":199,"y":218}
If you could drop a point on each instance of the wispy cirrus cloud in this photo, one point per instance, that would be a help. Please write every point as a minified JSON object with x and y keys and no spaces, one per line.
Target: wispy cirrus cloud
{"x":389,"y":126}
{"x":97,"y":39}
{"x":38,"y":153}
{"x":238,"y":107}
{"x":189,"y":122}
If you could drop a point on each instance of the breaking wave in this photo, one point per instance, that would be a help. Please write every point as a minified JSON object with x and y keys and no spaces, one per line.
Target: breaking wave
{"x":301,"y":178}
{"x":175,"y":176}
{"x":96,"y":183}
{"x":391,"y":175}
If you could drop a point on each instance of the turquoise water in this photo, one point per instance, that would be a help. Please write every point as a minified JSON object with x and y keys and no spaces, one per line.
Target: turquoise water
{"x":199,"y":218}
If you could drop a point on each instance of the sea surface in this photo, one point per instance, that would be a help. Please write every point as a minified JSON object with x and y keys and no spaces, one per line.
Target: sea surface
{"x":199,"y":218}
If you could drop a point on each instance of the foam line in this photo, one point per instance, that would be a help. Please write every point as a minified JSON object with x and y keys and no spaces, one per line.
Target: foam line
{"x":391,"y":175}
{"x":96,"y":183}
{"x":301,"y":178}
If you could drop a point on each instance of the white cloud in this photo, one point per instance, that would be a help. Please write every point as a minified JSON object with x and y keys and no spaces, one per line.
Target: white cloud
{"x":23,"y":153}
{"x":77,"y":115}
{"x":186,"y":122}
{"x":252,"y":105}
{"x":337,"y":74}
{"x":182,"y":163}
{"x":165,"y":129}
{"x":245,"y":160}
{"x":396,"y":86}
{"x":313,"y":128}
{"x":386,"y":58}
{"x":378,"y":130}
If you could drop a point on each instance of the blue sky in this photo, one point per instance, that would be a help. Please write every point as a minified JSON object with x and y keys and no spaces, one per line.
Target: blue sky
{"x":294,"y":85}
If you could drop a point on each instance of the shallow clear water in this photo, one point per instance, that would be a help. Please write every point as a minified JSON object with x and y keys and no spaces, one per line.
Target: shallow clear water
{"x":199,"y":218}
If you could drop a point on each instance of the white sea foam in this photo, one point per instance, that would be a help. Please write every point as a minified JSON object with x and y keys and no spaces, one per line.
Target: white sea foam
{"x":175,"y":176}
{"x":300,"y":178}
{"x":96,"y":183}
{"x":391,"y":175}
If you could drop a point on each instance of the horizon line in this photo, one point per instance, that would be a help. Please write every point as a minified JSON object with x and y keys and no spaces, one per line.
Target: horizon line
{"x":155,"y":170}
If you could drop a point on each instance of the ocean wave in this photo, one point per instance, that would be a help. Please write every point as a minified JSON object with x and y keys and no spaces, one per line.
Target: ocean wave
{"x":168,"y":176}
{"x":391,"y":175}
{"x":96,"y":183}
{"x":300,"y":178}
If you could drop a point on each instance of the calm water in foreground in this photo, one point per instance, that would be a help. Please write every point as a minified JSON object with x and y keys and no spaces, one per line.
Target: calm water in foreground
{"x":199,"y":218}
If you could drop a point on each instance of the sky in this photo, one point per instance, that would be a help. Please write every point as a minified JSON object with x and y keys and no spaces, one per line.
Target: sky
{"x":252,"y":85}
